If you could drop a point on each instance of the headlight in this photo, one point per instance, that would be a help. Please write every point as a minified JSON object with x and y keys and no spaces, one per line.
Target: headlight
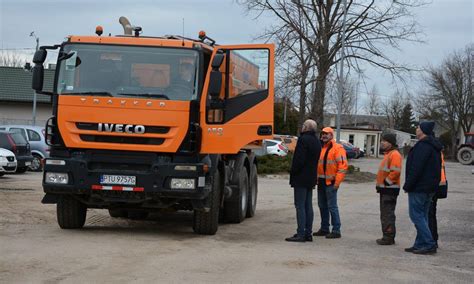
{"x":56,"y":178}
{"x":183,"y":183}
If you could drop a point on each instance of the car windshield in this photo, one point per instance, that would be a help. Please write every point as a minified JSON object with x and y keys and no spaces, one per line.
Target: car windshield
{"x":128,"y":71}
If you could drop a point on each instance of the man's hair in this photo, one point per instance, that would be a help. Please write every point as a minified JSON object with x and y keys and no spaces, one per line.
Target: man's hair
{"x":310,"y":125}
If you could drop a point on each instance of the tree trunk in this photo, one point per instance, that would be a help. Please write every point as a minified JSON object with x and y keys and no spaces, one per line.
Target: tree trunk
{"x":317,"y":107}
{"x":302,"y":112}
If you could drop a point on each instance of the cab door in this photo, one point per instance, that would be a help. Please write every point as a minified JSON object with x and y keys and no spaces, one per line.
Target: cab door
{"x":237,"y":101}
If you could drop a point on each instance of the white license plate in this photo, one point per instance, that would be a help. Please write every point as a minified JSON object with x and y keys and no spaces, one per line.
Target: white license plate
{"x":116,"y":179}
{"x":11,"y":164}
{"x":27,"y":163}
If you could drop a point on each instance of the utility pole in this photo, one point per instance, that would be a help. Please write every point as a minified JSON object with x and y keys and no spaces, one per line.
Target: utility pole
{"x":32,"y":34}
{"x":341,"y":75}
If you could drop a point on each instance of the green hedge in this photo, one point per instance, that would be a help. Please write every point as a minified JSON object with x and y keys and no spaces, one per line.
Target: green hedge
{"x":269,"y":164}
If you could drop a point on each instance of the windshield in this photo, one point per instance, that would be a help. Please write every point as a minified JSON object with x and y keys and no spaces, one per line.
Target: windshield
{"x":128,"y":71}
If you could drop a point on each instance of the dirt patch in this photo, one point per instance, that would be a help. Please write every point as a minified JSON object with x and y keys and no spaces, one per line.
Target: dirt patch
{"x":360,"y":177}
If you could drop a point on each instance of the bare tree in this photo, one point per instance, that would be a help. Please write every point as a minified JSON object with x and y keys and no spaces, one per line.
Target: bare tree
{"x":449,"y":99}
{"x":369,"y":26}
{"x":393,"y":109}
{"x":296,"y":59}
{"x":373,"y":106}
{"x":11,"y":59}
{"x":348,"y":96}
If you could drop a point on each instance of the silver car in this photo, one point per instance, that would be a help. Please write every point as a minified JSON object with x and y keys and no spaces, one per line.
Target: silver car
{"x":35,"y":136}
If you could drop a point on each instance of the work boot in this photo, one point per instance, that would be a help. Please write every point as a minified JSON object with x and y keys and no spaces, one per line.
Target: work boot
{"x":425,"y":251}
{"x":320,"y":233}
{"x":410,"y":249}
{"x":296,"y":238}
{"x":333,"y":235}
{"x":385,"y":241}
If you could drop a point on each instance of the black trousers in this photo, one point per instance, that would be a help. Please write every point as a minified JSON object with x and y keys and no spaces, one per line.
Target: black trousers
{"x":432,"y":222}
{"x":388,"y":202}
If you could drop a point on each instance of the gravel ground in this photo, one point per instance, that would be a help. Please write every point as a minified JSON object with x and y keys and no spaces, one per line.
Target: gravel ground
{"x":163,"y":248}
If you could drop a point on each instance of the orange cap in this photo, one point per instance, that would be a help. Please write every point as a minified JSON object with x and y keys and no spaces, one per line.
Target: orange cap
{"x":328,"y":130}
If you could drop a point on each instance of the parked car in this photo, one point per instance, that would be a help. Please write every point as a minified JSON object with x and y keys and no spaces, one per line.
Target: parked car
{"x":35,"y":136}
{"x":275,"y":147}
{"x":290,"y":141}
{"x":16,"y":143}
{"x":7,"y":162}
{"x":351,"y":152}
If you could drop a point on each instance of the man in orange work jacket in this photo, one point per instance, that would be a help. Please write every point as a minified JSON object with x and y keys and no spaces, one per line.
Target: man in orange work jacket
{"x":388,"y":186}
{"x":441,"y":193}
{"x":332,"y":169}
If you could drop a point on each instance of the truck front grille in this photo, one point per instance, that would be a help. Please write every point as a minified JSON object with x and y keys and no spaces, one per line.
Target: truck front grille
{"x":121,"y":139}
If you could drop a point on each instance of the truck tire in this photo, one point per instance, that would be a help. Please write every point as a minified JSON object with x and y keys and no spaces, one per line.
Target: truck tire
{"x":118,"y":213}
{"x":236,"y":209}
{"x":206,"y":223}
{"x":465,"y":156}
{"x":70,"y":212}
{"x":253,"y":192}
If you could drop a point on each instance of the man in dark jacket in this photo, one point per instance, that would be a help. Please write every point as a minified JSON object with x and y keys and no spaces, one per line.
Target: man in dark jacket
{"x":303,"y":178}
{"x":422,"y":177}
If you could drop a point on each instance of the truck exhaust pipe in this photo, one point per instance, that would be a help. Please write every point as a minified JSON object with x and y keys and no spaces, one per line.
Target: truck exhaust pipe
{"x":127,"y":27}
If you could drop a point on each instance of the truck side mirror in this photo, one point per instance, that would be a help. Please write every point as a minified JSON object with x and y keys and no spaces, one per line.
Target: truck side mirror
{"x":38,"y":78}
{"x":215,"y":82}
{"x":40,"y":56}
{"x":217,"y":61}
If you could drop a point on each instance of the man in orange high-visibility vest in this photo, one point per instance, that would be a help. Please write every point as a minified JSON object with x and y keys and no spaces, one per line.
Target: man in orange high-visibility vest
{"x":388,"y":186}
{"x":332,"y":169}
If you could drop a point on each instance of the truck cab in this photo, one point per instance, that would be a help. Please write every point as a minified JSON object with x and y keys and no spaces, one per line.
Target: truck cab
{"x":145,"y":123}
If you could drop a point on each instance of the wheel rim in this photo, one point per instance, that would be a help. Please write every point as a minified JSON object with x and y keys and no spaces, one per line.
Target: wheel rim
{"x":35,"y":164}
{"x":466,"y":156}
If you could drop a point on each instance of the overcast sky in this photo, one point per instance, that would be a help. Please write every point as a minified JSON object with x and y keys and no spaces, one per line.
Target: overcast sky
{"x":447,"y":26}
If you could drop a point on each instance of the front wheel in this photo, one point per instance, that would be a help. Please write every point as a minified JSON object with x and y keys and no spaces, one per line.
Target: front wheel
{"x":71,"y":213}
{"x":206,"y":223}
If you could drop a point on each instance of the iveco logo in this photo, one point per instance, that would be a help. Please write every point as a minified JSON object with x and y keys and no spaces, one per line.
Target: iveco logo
{"x":122,"y":128}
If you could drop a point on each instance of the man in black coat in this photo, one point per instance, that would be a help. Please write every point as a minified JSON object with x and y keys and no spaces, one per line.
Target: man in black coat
{"x":303,"y":178}
{"x":422,"y":177}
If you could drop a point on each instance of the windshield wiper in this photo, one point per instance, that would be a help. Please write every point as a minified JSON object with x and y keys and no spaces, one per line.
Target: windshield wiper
{"x":106,"y":94}
{"x":147,"y":95}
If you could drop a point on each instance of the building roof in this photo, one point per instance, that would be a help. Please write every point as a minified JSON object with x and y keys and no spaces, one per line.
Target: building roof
{"x":15,"y":85}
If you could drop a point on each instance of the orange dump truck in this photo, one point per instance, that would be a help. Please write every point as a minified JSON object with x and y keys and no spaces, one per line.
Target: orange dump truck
{"x":144,"y":123}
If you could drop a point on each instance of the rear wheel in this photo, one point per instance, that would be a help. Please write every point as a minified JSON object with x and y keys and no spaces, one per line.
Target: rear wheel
{"x":206,"y":223}
{"x":465,"y":156}
{"x":236,"y":208}
{"x":70,"y":212}
{"x":253,"y":192}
